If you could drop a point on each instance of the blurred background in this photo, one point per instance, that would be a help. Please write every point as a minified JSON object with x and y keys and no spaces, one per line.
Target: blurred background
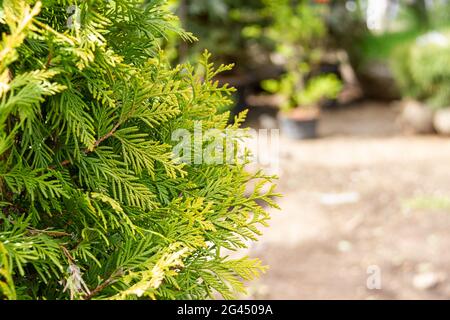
{"x":360,"y":91}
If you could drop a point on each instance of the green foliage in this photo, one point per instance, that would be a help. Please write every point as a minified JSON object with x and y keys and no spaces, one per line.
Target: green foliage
{"x":422,"y":69}
{"x":427,"y":202}
{"x":439,"y":14}
{"x":402,"y":24}
{"x":299,"y":31}
{"x":220,"y":24}
{"x":320,"y":87}
{"x":382,"y":47}
{"x":317,"y":89}
{"x":93,"y":205}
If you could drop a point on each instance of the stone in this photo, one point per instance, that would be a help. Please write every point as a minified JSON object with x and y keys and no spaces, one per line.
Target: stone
{"x":417,"y":117}
{"x":334,"y":199}
{"x":344,"y":246}
{"x":427,"y":280}
{"x":442,"y":121}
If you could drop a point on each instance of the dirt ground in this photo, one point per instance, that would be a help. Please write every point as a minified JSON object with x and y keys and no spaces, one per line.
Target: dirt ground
{"x":363,"y":196}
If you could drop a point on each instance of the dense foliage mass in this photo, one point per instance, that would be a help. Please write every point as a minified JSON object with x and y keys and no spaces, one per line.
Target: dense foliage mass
{"x":422,"y":69}
{"x":93,"y":204}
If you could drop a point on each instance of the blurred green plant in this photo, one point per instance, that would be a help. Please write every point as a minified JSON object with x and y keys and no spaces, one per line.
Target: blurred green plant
{"x":317,"y":89}
{"x":219,"y":25}
{"x":299,"y":32}
{"x":405,"y":22}
{"x":428,"y":202}
{"x":422,"y":69}
{"x":382,"y":47}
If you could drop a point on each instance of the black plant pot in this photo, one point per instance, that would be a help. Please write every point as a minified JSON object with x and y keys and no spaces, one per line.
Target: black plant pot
{"x":300,"y":129}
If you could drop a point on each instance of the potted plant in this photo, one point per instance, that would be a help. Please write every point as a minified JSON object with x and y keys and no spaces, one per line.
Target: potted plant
{"x":300,"y":106}
{"x":299,"y":35}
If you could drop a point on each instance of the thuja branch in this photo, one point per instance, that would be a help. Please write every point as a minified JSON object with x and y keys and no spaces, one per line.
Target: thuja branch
{"x":50,"y":233}
{"x":106,"y":136}
{"x":96,"y":144}
{"x":57,"y":221}
{"x":104,"y":284}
